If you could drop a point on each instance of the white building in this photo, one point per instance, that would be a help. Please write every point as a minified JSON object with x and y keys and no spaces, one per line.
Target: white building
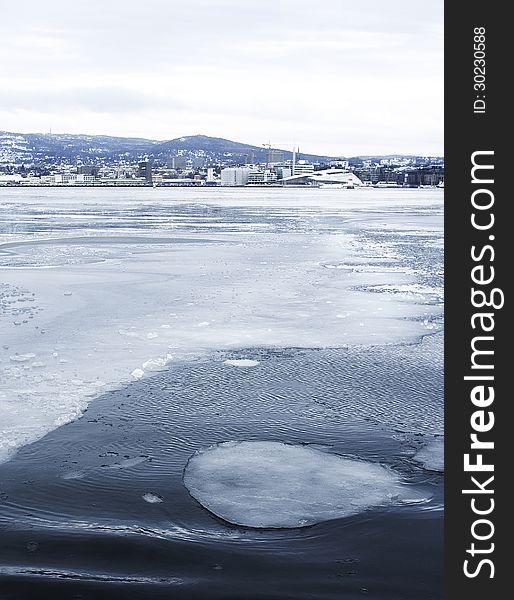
{"x":339,"y":164}
{"x":326,"y":177}
{"x":302,"y":167}
{"x":65,"y":179}
{"x":233,"y":176}
{"x":259,"y":176}
{"x":10,"y":179}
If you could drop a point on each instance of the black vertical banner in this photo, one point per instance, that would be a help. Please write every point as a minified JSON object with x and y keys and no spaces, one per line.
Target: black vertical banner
{"x":477,"y":250}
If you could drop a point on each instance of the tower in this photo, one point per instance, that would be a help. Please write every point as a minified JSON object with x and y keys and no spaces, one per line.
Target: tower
{"x":145,"y":170}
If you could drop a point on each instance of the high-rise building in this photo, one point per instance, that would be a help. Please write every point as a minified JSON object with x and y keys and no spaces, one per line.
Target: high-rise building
{"x":275,"y":156}
{"x":144,"y":170}
{"x":177,"y":162}
{"x":87,"y":170}
{"x":234,"y":176}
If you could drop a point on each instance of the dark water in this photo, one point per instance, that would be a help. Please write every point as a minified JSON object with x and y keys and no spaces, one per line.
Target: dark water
{"x":74,"y":523}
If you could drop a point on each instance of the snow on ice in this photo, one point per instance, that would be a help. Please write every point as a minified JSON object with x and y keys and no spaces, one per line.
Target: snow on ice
{"x":255,"y":281}
{"x":271,"y":484}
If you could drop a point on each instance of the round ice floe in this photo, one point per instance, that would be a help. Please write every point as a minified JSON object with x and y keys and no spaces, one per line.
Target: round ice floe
{"x":271,"y":484}
{"x":241,"y":362}
{"x":431,"y":456}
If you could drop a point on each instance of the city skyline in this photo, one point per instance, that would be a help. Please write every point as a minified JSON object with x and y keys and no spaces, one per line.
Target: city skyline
{"x":343,"y":80}
{"x":35,"y":160}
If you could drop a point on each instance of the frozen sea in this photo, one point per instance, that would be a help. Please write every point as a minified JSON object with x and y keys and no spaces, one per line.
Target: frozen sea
{"x":172,"y":320}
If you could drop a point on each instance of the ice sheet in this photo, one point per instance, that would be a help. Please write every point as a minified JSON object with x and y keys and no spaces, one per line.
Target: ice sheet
{"x":101,"y":288}
{"x":270,"y":484}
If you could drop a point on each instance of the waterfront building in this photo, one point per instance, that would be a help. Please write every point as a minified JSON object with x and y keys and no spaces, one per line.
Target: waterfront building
{"x":87,"y":170}
{"x":339,"y":163}
{"x":283,"y":172}
{"x":144,"y":170}
{"x":235,"y":176}
{"x":326,"y":177}
{"x":262,"y":176}
{"x":303,"y":167}
{"x":10,"y":179}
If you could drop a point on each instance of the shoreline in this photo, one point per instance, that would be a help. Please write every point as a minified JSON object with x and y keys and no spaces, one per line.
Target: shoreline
{"x":211,"y":187}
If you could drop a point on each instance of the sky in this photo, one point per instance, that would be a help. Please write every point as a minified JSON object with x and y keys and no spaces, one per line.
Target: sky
{"x":334,"y":77}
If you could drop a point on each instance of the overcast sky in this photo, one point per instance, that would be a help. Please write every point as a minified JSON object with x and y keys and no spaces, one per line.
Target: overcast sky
{"x":335,"y":77}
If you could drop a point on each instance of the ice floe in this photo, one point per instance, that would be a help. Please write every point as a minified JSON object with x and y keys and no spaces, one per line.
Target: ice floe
{"x":241,"y":362}
{"x":431,"y":456}
{"x":275,"y":485}
{"x":74,"y":475}
{"x":152,"y":498}
{"x":137,"y":373}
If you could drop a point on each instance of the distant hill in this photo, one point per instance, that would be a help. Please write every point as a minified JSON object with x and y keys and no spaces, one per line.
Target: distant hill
{"x":46,"y":147}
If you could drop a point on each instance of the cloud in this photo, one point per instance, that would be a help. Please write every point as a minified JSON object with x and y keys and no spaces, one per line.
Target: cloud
{"x":354,"y":72}
{"x":95,"y":99}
